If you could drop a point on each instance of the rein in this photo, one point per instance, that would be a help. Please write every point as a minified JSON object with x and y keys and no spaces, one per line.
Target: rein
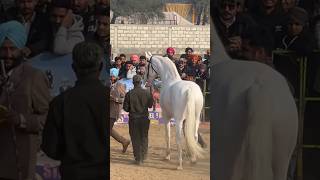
{"x":151,"y":88}
{"x":150,"y":65}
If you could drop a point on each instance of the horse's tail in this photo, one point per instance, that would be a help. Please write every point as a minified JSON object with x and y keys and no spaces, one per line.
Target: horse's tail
{"x":258,"y":141}
{"x":190,"y":126}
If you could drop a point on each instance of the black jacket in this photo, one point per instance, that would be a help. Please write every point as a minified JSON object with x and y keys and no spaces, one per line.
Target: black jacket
{"x":76,"y":131}
{"x":137,"y":101}
{"x":275,"y":22}
{"x":303,"y":44}
{"x":242,"y":27}
{"x":89,"y":21}
{"x":38,"y":37}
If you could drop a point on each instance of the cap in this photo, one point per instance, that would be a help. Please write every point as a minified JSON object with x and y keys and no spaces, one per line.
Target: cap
{"x":114,"y":72}
{"x":134,"y":57}
{"x":298,"y":14}
{"x":170,"y":49}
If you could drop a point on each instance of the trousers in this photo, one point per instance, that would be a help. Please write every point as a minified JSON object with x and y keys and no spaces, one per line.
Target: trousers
{"x":115,"y":134}
{"x":138,"y":130}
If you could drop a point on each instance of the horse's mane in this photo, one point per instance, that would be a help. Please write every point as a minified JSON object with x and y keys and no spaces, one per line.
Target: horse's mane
{"x":172,"y":70}
{"x":218,"y":50}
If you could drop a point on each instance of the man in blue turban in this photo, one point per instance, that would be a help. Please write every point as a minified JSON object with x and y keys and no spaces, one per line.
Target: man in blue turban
{"x":35,"y":22}
{"x":24,"y":91}
{"x":114,"y":72}
{"x":14,"y":31}
{"x":12,"y":37}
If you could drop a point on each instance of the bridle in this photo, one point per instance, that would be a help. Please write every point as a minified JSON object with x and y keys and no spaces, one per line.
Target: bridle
{"x":150,"y":65}
{"x":151,"y":88}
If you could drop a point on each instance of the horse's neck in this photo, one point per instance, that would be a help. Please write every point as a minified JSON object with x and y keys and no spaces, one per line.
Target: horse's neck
{"x":219,"y":53}
{"x":169,"y":77}
{"x":165,"y":84}
{"x":169,"y":73}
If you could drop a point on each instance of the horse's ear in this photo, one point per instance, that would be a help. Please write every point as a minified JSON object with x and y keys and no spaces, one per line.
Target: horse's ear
{"x":148,"y":55}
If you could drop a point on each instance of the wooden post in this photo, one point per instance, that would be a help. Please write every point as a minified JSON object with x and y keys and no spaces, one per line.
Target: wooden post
{"x":193,"y":14}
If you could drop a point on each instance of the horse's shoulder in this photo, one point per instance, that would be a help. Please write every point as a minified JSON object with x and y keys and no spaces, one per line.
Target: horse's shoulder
{"x":259,"y":70}
{"x":268,"y":74}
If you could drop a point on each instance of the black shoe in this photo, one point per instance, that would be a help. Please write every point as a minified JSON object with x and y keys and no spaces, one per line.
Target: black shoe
{"x":145,"y":157}
{"x":138,"y":162}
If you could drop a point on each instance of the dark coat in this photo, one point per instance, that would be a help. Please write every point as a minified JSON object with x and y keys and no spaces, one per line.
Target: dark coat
{"x":76,"y":131}
{"x":137,"y":101}
{"x":89,"y":21}
{"x":122,"y":72}
{"x":30,"y":97}
{"x":275,"y":22}
{"x":181,"y":71}
{"x":303,"y":44}
{"x":116,"y":102}
{"x":242,"y":25}
{"x":39,"y":34}
{"x":38,"y":38}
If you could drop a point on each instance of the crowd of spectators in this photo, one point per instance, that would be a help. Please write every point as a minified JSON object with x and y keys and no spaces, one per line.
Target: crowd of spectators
{"x":254,"y":30}
{"x":247,"y":27}
{"x":58,"y":25}
{"x":190,"y":66}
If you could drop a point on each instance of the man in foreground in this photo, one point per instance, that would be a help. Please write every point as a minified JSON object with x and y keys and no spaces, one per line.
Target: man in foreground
{"x":24,"y":93}
{"x":76,"y":131}
{"x":137,"y":102}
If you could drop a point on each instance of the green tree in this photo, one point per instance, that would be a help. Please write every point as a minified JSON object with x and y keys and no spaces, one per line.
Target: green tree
{"x":143,"y":9}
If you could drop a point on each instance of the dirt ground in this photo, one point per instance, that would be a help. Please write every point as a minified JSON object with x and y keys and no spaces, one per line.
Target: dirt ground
{"x":155,"y":167}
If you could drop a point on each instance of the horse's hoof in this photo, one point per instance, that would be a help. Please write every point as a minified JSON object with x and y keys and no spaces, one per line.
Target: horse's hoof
{"x":193,"y":162}
{"x":167,"y":158}
{"x":179,"y":168}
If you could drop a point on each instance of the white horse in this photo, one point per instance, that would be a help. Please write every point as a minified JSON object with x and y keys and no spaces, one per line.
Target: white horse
{"x":255,"y":120}
{"x":181,"y":100}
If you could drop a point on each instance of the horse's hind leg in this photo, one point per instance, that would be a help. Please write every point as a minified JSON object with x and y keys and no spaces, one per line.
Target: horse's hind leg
{"x":179,"y":142}
{"x":167,"y":127}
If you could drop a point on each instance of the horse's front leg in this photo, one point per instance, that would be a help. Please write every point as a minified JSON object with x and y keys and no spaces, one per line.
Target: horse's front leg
{"x":179,"y":142}
{"x":167,"y":127}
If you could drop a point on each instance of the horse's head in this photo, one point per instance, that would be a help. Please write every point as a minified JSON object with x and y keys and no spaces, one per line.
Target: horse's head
{"x":148,"y":55}
{"x":150,"y":72}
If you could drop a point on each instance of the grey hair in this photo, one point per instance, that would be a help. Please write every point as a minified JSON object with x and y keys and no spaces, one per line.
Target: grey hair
{"x":87,"y":57}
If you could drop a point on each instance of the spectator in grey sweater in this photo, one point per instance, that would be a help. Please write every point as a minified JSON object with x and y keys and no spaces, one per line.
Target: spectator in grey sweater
{"x":66,"y":28}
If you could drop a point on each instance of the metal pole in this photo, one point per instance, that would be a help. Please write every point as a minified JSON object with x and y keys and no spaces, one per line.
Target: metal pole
{"x":204,"y":101}
{"x":302,"y":84}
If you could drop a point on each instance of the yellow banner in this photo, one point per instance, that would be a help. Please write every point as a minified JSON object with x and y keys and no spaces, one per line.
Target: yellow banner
{"x":184,"y":10}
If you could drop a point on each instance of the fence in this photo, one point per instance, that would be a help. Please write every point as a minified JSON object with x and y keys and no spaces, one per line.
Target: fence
{"x":302,"y":97}
{"x":206,"y":102}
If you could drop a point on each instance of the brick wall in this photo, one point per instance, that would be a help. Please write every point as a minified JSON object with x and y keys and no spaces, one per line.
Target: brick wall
{"x":128,"y":39}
